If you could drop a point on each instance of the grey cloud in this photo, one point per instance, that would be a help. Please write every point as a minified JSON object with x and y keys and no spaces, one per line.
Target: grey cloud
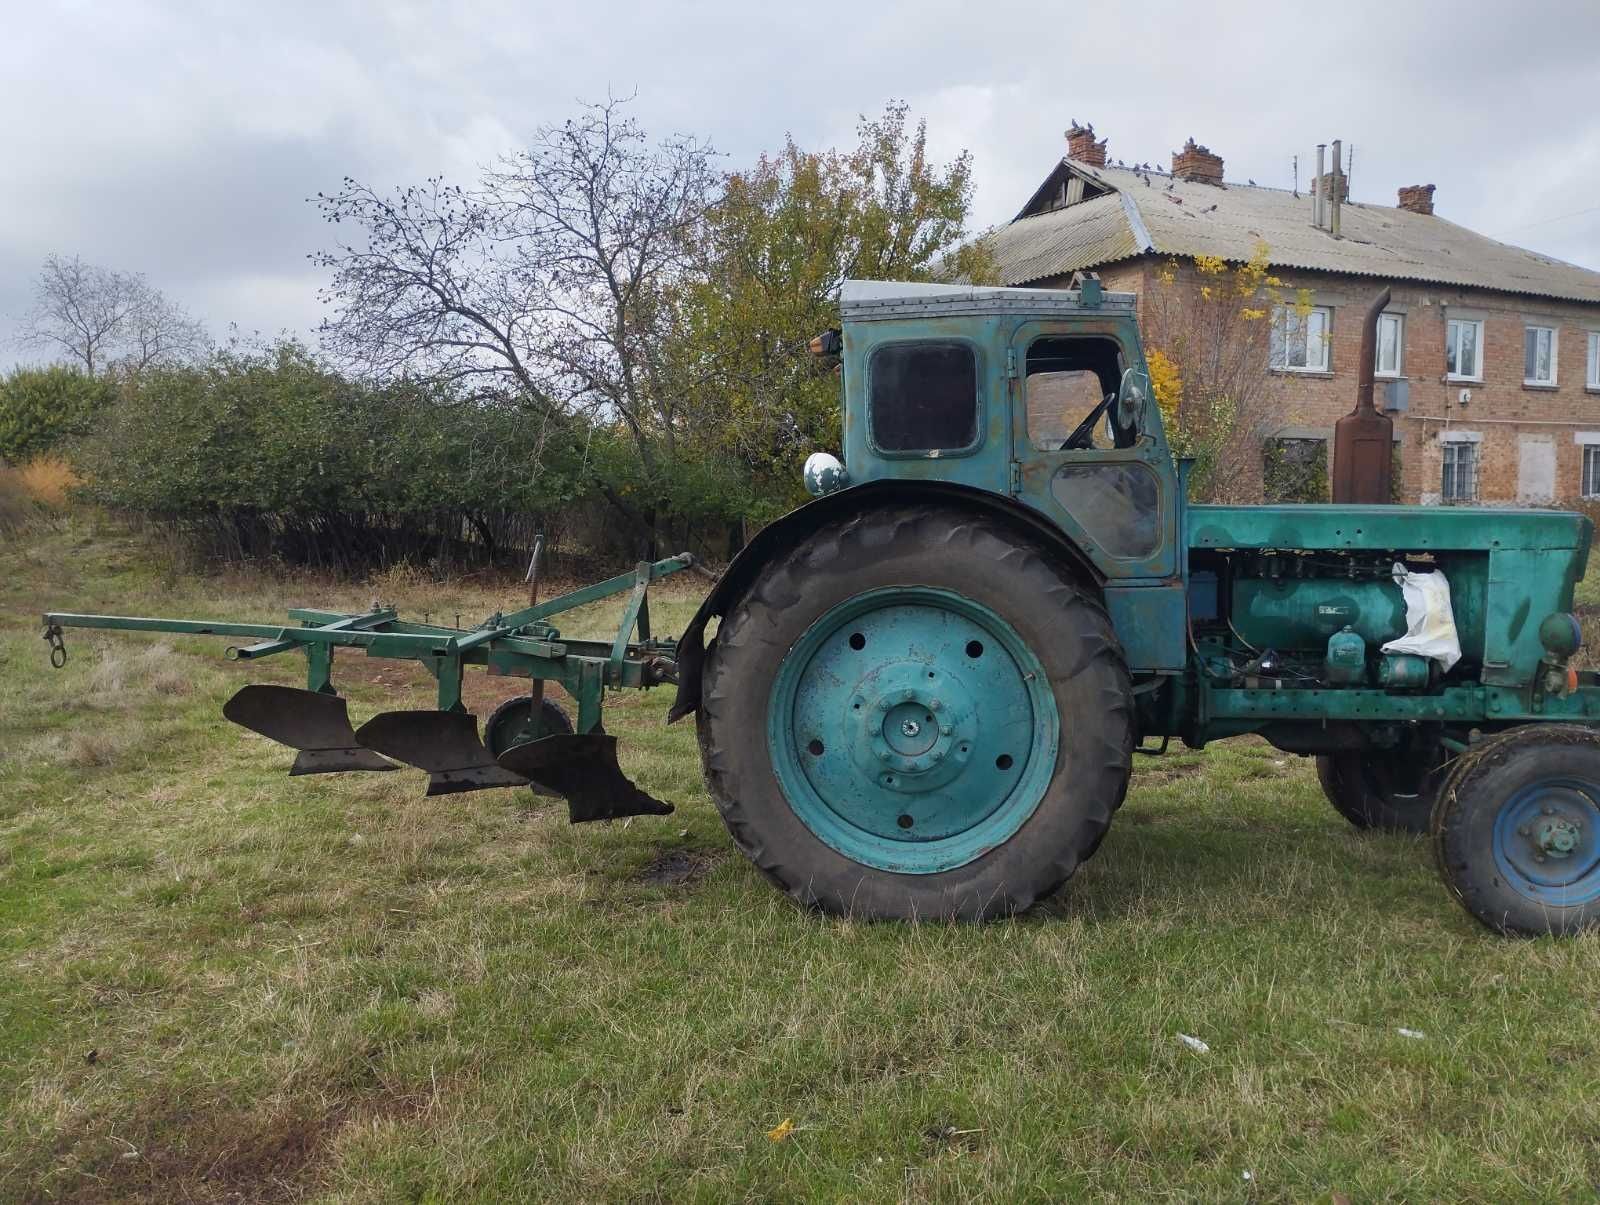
{"x":181,"y":140}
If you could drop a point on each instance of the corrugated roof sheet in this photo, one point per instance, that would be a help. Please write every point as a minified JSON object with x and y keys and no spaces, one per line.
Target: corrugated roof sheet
{"x":1185,"y":219}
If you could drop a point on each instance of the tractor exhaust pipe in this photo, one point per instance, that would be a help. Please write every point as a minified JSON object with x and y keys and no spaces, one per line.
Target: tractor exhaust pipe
{"x":1363,"y":440}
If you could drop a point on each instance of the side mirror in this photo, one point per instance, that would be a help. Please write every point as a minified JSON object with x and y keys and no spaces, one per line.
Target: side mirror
{"x":1131,"y":400}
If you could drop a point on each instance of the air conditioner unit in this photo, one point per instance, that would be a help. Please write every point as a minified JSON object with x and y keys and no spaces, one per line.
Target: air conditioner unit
{"x":1397,"y":396}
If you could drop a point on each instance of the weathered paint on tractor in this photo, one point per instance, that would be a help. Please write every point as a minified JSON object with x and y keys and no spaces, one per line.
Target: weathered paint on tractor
{"x":1509,"y":570}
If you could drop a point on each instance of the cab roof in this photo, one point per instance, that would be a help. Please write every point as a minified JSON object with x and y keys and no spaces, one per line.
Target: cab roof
{"x":868,"y":300}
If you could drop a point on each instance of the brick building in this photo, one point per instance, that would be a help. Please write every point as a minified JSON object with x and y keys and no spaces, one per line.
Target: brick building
{"x":1489,"y":355}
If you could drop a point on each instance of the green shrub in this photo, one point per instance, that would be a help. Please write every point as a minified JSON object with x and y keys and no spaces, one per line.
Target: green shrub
{"x":41,"y":407}
{"x":272,"y":453}
{"x":16,"y":504}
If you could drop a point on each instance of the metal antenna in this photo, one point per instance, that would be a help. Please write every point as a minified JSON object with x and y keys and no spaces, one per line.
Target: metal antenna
{"x":1294,"y":161}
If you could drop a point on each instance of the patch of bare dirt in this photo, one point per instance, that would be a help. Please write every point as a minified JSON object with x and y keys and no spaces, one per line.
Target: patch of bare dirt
{"x":675,"y":868}
{"x":214,"y":1157}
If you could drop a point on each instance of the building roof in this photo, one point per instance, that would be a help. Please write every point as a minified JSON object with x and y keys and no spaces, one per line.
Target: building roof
{"x":1127,"y":213}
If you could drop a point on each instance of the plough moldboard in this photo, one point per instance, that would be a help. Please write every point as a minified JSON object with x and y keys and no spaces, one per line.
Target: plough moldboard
{"x":527,"y":741}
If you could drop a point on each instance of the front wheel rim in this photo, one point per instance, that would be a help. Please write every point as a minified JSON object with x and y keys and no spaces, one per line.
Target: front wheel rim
{"x":912,"y":729}
{"x":1547,"y":842}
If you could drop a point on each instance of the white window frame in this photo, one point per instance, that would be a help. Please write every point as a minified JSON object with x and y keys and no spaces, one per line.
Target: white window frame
{"x":1593,"y":379}
{"x":1589,"y":482}
{"x":1458,"y":443}
{"x":1278,"y":351}
{"x":1452,"y":337}
{"x":1536,"y":329}
{"x":1398,"y":369}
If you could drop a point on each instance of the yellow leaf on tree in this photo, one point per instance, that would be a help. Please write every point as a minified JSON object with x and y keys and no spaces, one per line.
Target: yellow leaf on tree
{"x":782,"y":1130}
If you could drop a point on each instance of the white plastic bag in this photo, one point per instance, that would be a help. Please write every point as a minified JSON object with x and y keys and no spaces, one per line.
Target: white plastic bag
{"x":1430,"y":623}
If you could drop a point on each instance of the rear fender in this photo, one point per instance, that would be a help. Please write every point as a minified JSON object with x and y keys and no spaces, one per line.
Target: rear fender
{"x":780,"y":537}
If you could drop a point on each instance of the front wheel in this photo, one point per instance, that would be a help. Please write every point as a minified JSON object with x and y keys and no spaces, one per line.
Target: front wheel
{"x":1388,"y":790}
{"x":917,"y":714}
{"x":1516,"y":830}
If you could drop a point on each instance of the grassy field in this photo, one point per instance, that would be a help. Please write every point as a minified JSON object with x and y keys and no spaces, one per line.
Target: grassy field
{"x":220,"y":984}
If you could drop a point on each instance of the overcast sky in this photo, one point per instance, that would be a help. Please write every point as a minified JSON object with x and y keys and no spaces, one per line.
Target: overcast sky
{"x":181,"y":139}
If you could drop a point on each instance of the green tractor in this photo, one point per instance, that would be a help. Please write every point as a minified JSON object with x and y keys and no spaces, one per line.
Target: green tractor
{"x":923,"y":691}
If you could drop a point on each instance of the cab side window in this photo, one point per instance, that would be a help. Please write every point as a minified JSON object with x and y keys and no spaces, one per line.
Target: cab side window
{"x":1068,"y":377}
{"x":924,"y":397}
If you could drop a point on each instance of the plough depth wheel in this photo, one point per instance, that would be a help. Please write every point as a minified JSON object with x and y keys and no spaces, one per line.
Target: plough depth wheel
{"x":917,"y":715}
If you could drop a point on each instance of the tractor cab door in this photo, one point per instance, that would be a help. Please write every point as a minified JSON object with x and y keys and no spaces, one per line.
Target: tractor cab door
{"x":1086,"y":453}
{"x":1083,"y":451}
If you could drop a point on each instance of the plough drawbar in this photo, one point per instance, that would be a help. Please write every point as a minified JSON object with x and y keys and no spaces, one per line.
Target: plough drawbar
{"x":526,"y":741}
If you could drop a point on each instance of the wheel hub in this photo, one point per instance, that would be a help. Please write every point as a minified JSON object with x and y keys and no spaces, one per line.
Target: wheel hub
{"x":917,"y":726}
{"x":1545,"y":841}
{"x":1558,"y":837}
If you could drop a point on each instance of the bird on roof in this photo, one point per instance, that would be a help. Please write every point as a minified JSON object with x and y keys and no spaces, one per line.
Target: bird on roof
{"x":1208,"y":208}
{"x":1119,"y":162}
{"x":1252,"y":184}
{"x":1171,"y":184}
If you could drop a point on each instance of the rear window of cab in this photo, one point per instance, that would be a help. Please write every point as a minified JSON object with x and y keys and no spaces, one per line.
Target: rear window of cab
{"x":923,"y":397}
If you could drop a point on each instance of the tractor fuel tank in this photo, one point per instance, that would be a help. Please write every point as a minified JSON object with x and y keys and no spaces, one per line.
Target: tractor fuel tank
{"x":1302,"y":613}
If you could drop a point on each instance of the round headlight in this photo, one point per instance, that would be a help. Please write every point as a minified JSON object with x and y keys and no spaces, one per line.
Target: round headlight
{"x":824,"y":474}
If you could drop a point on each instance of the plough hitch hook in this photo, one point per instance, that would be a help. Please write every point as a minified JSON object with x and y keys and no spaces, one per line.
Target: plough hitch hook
{"x":58,"y":644}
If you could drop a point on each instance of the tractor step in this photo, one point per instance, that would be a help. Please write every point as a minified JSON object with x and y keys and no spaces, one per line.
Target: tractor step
{"x":444,"y":743}
{"x":317,"y":725}
{"x":584,"y":769}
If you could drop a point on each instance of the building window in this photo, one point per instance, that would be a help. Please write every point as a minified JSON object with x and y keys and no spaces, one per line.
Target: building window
{"x":1594,"y":359}
{"x":1591,"y":471}
{"x":1539,"y":355}
{"x":1460,"y":480}
{"x":1463,"y":350}
{"x":1391,"y":345}
{"x":1300,"y":340}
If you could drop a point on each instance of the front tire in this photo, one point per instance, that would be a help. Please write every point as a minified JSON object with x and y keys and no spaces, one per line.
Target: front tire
{"x":1516,"y":830}
{"x":1391,"y":791}
{"x":917,"y":714}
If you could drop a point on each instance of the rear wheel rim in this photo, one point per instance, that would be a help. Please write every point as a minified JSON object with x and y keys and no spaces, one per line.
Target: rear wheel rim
{"x":912,"y":729}
{"x":1547,"y":841}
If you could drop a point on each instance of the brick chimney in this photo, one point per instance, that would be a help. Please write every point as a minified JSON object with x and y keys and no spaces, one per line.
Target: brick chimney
{"x":1082,"y":146}
{"x":1197,"y":163}
{"x":1417,"y":198}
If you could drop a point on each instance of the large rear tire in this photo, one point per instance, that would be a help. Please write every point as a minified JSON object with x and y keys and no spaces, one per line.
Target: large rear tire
{"x":917,"y":714}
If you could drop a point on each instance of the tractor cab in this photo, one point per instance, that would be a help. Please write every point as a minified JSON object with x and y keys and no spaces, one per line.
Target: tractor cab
{"x":1037,"y":396}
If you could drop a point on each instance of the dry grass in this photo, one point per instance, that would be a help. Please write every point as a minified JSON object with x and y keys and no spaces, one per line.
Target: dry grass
{"x":219,"y":984}
{"x":49,"y":480}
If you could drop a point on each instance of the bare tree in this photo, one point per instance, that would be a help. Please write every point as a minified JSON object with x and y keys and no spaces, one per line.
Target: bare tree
{"x":548,"y":281}
{"x":158,"y":331}
{"x":100,"y":318}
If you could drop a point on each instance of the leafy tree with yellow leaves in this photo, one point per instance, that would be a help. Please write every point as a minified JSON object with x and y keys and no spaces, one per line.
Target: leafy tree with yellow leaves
{"x":1207,"y":330}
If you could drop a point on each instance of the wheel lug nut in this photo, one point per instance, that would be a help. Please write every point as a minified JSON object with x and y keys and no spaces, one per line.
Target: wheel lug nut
{"x":883,"y":755}
{"x":1549,"y":811}
{"x":884,"y":704}
{"x":936,"y":705}
{"x":1538,"y":857}
{"x":1523,"y":831}
{"x":945,"y":729}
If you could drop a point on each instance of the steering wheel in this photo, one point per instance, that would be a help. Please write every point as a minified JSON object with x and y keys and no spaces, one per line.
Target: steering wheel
{"x":1082,"y":437}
